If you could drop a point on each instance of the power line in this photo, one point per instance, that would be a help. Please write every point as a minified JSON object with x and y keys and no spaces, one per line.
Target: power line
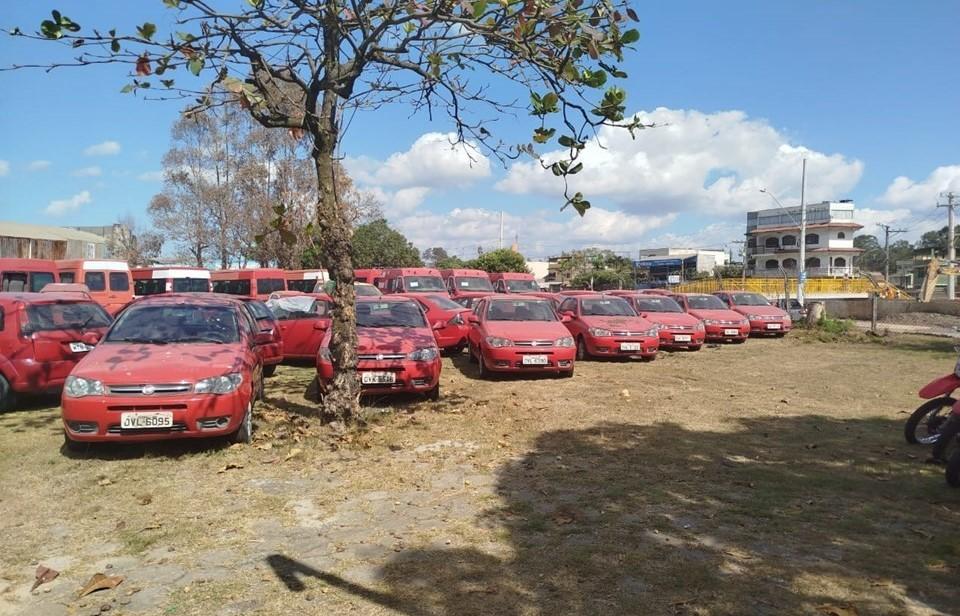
{"x":887,"y":232}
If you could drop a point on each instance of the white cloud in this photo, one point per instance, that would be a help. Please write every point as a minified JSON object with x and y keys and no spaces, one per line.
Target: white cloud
{"x":151,"y":176}
{"x":904,"y":191}
{"x":710,"y":163}
{"x":400,"y":202}
{"x":87,"y":172}
{"x":62,"y":206}
{"x":715,"y":235}
{"x":4,"y":168}
{"x":434,"y":160}
{"x":107,"y":148}
{"x":38,"y":165}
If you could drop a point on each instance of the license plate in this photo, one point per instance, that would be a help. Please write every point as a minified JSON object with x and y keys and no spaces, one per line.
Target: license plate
{"x":79,"y":347}
{"x":681,"y":337}
{"x":773,"y":326}
{"x":630,"y":346}
{"x":378,"y":378}
{"x":137,"y":421}
{"x":534,"y":360}
{"x":731,"y":332}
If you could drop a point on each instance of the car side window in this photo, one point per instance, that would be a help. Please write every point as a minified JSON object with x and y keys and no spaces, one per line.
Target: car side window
{"x":95,"y":281}
{"x":119,"y":281}
{"x":2,"y":319}
{"x":478,"y":307}
{"x":569,"y":305}
{"x":67,"y":277}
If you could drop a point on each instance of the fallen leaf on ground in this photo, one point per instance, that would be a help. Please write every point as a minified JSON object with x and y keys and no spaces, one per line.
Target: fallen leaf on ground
{"x":104,"y":482}
{"x":100,"y":581}
{"x":265,"y":447}
{"x":236,"y":446}
{"x":838,"y":610}
{"x":296,"y":451}
{"x":230,"y":466}
{"x":43,"y":575}
{"x":144,"y":499}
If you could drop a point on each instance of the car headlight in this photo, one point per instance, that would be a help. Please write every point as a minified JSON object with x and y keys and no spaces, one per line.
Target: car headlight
{"x":225,"y":384}
{"x":699,"y":326}
{"x":78,"y":387}
{"x":324,"y":354}
{"x":565,"y":342}
{"x":497,"y":342}
{"x":653,"y":331}
{"x":424,"y":354}
{"x":599,"y":332}
{"x":711,"y":322}
{"x":754,"y":317}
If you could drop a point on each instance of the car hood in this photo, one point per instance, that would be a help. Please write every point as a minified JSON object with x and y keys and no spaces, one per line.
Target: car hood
{"x":718,"y":315}
{"x":761,"y":310}
{"x":631,"y":324}
{"x":527,"y":330}
{"x":393,"y":339}
{"x":123,"y":363}
{"x":672,"y":318}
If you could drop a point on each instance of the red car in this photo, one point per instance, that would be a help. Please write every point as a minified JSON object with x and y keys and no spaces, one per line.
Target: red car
{"x":171,"y":366}
{"x":303,"y":319}
{"x":396,"y":349}
{"x":271,"y":353}
{"x":467,"y":282}
{"x":721,"y":323}
{"x":678,"y":330}
{"x":451,"y":317}
{"x":42,"y":337}
{"x":519,"y":333}
{"x":764,"y":317}
{"x":607,"y":326}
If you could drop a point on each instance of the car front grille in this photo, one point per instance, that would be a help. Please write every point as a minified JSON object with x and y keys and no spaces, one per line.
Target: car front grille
{"x":128,"y":408}
{"x":153,"y":389}
{"x":176,"y":427}
{"x":533,"y":343}
{"x":381,"y":357}
{"x":682,"y":328}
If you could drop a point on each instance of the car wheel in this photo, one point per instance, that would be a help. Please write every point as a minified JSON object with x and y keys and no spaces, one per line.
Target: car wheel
{"x":244,"y":433}
{"x":696,"y":347}
{"x":434,"y":394}
{"x":484,"y":373}
{"x":582,"y":353}
{"x":73,"y":446}
{"x":470,"y":354}
{"x":567,"y":374}
{"x":739,"y":340}
{"x":6,"y":394}
{"x":263,"y":390}
{"x":269,"y":371}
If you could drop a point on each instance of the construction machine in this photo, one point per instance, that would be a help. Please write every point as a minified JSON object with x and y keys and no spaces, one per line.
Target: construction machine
{"x":935,"y":269}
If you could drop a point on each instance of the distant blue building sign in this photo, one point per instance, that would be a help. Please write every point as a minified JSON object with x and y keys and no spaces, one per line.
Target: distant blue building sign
{"x":652,"y":263}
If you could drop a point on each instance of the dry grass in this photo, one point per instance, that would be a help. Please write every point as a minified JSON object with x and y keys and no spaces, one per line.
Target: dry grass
{"x":767,"y":478}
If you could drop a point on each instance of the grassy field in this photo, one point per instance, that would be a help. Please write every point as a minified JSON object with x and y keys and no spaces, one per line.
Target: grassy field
{"x":766,"y":478}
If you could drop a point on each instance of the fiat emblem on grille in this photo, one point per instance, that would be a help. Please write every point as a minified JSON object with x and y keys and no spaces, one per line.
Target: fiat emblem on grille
{"x":379,"y":356}
{"x":148,"y":390}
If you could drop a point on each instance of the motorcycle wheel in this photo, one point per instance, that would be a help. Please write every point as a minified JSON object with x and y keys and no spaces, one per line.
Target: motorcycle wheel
{"x":949,"y":430}
{"x":924,"y":424}
{"x":953,"y":470}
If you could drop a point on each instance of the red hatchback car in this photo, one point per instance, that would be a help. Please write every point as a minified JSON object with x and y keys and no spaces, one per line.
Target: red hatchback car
{"x":519,"y":333}
{"x":171,"y":366}
{"x":303,"y":319}
{"x":721,"y":323}
{"x":678,"y":330}
{"x":607,"y":326}
{"x":42,"y":337}
{"x":396,"y":349}
{"x":271,"y":353}
{"x":447,"y":318}
{"x":765,"y":318}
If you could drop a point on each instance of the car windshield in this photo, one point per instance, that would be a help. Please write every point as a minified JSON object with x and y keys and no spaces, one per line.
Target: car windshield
{"x":521,"y":286}
{"x":366,"y":290}
{"x":606,"y":307}
{"x":295,"y":307}
{"x":657,"y":304}
{"x":390,"y":314}
{"x":705,"y":302}
{"x":423,"y":283}
{"x":66,"y":315}
{"x":191,"y":285}
{"x":749,"y":299}
{"x":473,"y":283}
{"x":259,"y":310}
{"x":175,"y":323}
{"x":443,"y":302}
{"x":520,"y":310}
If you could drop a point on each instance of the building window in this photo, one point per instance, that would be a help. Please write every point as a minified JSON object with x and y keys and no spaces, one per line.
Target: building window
{"x":752,"y":242}
{"x":789,"y":264}
{"x":771,"y":242}
{"x":813,"y":261}
{"x":841,"y":236}
{"x":812,"y":238}
{"x":771,"y":264}
{"x":789,"y":240}
{"x":839,"y":262}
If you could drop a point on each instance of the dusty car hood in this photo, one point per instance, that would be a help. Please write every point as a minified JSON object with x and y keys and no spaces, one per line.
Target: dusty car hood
{"x":393,"y":339}
{"x":761,"y":310}
{"x":631,"y":324}
{"x":527,"y":330}
{"x":718,"y":315}
{"x":672,"y":318}
{"x":120,"y":363}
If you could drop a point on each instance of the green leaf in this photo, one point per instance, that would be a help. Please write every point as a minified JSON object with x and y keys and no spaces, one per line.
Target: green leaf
{"x":127,"y":89}
{"x":167,"y":83}
{"x":50,"y":29}
{"x":550,"y":100}
{"x":115,"y":46}
{"x":56,"y":16}
{"x":543,"y":135}
{"x":408,"y":27}
{"x":566,"y":141}
{"x":186,"y":37}
{"x":478,"y":8}
{"x":147,"y":30}
{"x":575,"y":169}
{"x":630,"y":36}
{"x":196,"y":65}
{"x":172,"y":4}
{"x":632,"y":14}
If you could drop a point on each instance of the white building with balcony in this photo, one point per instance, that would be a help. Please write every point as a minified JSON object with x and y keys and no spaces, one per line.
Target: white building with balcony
{"x":773,"y":240}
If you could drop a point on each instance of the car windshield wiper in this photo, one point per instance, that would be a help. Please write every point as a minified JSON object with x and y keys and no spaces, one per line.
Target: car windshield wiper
{"x":136,"y":340}
{"x":199,"y":339}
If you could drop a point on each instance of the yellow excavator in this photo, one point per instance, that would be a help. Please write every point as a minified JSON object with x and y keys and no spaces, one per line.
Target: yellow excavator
{"x":935,"y":269}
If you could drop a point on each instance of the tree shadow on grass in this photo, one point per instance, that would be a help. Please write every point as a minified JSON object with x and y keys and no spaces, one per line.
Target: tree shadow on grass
{"x":775,"y":516}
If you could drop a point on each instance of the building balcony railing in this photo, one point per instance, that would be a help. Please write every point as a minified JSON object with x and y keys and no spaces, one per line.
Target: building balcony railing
{"x":842,"y":271}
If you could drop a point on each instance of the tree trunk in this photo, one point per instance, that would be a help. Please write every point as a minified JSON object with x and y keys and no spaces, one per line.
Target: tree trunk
{"x":343,"y":398}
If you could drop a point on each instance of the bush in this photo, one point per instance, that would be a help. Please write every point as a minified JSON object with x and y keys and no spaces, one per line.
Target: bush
{"x":836,"y":327}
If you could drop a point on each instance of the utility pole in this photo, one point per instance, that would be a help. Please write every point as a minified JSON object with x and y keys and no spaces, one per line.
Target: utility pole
{"x":887,"y":232}
{"x":802,"y":266}
{"x":951,"y":243}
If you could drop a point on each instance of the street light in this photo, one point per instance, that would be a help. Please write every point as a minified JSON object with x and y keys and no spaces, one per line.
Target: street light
{"x":802,"y":266}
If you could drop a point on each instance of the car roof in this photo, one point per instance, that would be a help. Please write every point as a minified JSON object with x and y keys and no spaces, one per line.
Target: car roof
{"x":45,"y":298}
{"x":512,"y":297}
{"x":206,"y":299}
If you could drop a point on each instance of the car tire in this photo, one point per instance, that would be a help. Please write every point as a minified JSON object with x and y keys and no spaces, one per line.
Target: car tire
{"x":952,"y":472}
{"x":582,"y":353}
{"x":484,"y":373}
{"x":567,"y":374}
{"x":739,"y":340}
{"x":73,"y":446}
{"x":933,"y":428}
{"x":244,"y":433}
{"x":269,"y":371}
{"x":470,"y":356}
{"x":262,"y":394}
{"x":6,"y":394}
{"x":696,"y":347}
{"x":434,"y":394}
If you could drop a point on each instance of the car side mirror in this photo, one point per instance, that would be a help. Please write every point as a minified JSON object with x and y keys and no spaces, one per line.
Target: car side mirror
{"x":262,"y":338}
{"x":472,"y":318}
{"x":567,"y":313}
{"x":91,"y":338}
{"x":322,"y":325}
{"x":439,"y":325}
{"x":566,"y":317}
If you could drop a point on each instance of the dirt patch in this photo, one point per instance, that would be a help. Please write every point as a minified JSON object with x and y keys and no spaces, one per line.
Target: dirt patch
{"x":764,"y":478}
{"x":924,"y":319}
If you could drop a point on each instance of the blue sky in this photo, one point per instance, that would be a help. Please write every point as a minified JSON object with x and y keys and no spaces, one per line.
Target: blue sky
{"x":869,"y":88}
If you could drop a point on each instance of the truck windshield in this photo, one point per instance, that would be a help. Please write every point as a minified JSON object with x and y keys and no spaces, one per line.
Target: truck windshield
{"x":473,"y":283}
{"x":443,"y":302}
{"x":390,"y":314}
{"x":184,"y":323}
{"x":423,"y":283}
{"x":522,"y":286}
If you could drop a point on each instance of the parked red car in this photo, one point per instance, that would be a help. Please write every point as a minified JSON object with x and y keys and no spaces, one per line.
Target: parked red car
{"x":520,"y":333}
{"x":467,"y":282}
{"x":42,"y":337}
{"x":765,"y":318}
{"x":303,"y":319}
{"x":396,"y":349}
{"x":171,"y":366}
{"x":720,"y":323}
{"x":451,"y":317}
{"x":678,"y":330}
{"x":271,"y":353}
{"x":607,"y":326}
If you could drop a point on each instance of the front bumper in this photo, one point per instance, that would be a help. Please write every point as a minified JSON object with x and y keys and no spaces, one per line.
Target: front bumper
{"x":694,"y":338}
{"x":612,"y":346}
{"x":97,"y":418}
{"x":725,"y":332}
{"x":764,"y":327}
{"x":410,"y":376}
{"x":510,"y":359}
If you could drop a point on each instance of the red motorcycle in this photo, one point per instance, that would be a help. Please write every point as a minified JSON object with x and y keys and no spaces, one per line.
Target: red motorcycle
{"x":937,"y":421}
